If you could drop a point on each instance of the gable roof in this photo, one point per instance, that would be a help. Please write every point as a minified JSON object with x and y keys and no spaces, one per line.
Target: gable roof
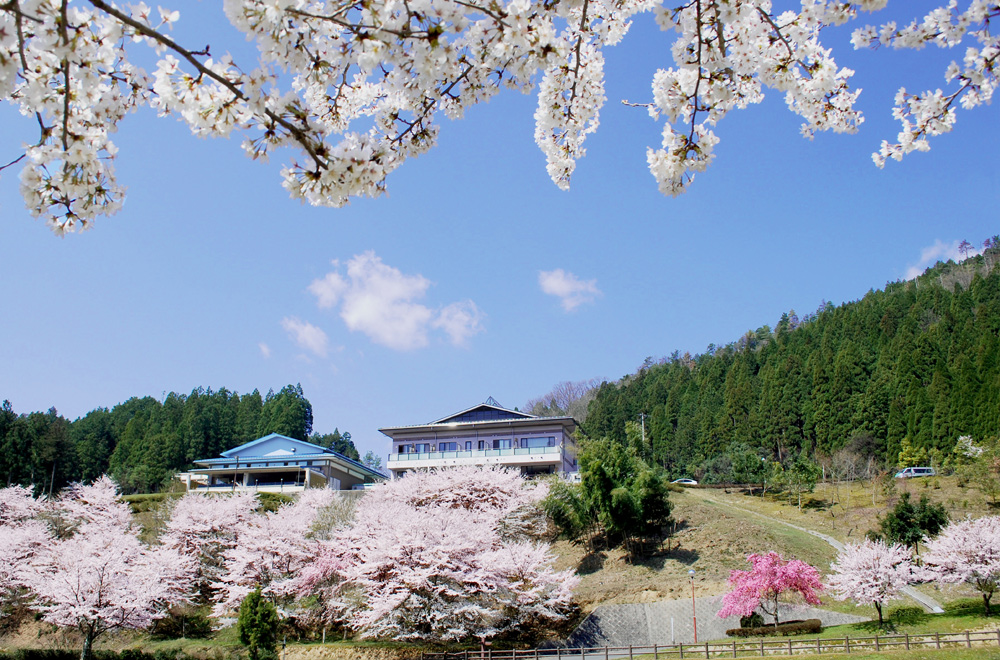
{"x":484,"y":412}
{"x":274,"y":443}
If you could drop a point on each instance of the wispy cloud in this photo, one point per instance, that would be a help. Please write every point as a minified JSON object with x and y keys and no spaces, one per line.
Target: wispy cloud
{"x":265,"y":350}
{"x":306,"y":335}
{"x":939,"y":251}
{"x":381,"y":302}
{"x":460,"y":321}
{"x":571,"y":290}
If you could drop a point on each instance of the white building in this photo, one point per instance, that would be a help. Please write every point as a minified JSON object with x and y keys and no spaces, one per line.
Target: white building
{"x":486,"y":434}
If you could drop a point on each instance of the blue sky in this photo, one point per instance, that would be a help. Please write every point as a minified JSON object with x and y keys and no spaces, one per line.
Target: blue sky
{"x":206,"y":278}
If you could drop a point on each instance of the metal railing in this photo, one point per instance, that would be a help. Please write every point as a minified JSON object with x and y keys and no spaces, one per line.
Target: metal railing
{"x":738,"y":648}
{"x":481,"y":453}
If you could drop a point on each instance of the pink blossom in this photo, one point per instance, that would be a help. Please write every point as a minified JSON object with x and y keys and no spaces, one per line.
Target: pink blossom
{"x":762,"y":586}
{"x":424,"y":560}
{"x":966,"y":551}
{"x":273,"y":549}
{"x":871,"y":573}
{"x":101,"y":577}
{"x":203,"y":527}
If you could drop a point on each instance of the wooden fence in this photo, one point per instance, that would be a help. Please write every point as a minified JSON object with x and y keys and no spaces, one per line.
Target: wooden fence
{"x":735,"y":648}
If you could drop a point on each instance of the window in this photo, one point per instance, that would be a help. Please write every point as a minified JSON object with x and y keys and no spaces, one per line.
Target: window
{"x":401,"y":449}
{"x":447,"y":446}
{"x":468,"y":445}
{"x":538,"y":442}
{"x":499,"y":443}
{"x":422,"y":447}
{"x":482,"y":445}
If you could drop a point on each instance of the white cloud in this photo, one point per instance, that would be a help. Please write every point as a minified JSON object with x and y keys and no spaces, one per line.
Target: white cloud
{"x":265,"y":350}
{"x":939,"y":251}
{"x":460,"y":321}
{"x":570,"y":289}
{"x":380,"y":301}
{"x":306,"y":335}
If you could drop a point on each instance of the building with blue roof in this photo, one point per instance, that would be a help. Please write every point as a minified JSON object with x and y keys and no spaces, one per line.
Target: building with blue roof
{"x":277,"y":463}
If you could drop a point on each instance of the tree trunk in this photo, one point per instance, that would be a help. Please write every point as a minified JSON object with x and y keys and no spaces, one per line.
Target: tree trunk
{"x":878,"y":608}
{"x":986,"y":601}
{"x":88,"y":642}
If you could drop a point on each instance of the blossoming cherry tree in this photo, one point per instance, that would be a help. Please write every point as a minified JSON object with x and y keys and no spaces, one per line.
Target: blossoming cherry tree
{"x":762,"y":586}
{"x":871,"y":573}
{"x":101,"y":577}
{"x":966,"y":551}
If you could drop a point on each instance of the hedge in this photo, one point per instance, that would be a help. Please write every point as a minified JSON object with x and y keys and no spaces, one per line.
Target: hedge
{"x":71,"y":654}
{"x":788,"y":628}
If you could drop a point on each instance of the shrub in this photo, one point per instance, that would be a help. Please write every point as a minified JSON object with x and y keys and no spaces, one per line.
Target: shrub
{"x":258,"y":625}
{"x":907,"y":615}
{"x":807,"y":627}
{"x":181,"y":622}
{"x":755,"y":620}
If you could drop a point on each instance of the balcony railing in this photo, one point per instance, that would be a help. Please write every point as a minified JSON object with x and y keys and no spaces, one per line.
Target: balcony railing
{"x":482,"y":453}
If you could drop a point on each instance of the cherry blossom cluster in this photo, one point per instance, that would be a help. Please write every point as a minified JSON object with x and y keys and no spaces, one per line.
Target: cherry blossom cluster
{"x":91,"y":571}
{"x":433,"y":555}
{"x":966,"y":551}
{"x":930,"y":113}
{"x":424,"y":560}
{"x":272,"y":549}
{"x":871,"y":573}
{"x":762,"y":586}
{"x":356,"y":87}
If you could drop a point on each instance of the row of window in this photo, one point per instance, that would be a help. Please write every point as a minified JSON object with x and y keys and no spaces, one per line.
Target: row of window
{"x":250,"y":465}
{"x":480,"y":445}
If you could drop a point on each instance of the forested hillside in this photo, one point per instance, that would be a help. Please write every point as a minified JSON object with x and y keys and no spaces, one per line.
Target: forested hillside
{"x":919,"y":360}
{"x":143,"y":441}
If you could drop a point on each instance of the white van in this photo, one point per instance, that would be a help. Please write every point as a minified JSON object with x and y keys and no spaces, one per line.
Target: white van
{"x":906,"y":473}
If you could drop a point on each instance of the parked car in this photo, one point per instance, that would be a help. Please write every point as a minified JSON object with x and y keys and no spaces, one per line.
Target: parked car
{"x":906,"y":473}
{"x":685,"y":482}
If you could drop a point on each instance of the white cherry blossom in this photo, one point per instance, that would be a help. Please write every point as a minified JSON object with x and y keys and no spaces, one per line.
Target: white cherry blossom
{"x":354,"y":88}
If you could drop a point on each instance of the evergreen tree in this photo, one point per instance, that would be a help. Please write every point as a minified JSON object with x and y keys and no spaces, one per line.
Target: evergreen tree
{"x":258,"y":625}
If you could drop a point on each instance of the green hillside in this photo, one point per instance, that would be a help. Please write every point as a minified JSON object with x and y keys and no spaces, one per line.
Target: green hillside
{"x":918,"y":360}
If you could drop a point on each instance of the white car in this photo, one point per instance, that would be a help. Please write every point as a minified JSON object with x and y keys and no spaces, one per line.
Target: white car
{"x":685,"y":482}
{"x":906,"y":473}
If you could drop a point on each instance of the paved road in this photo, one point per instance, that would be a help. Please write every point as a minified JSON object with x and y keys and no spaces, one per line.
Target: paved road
{"x":924,"y":600}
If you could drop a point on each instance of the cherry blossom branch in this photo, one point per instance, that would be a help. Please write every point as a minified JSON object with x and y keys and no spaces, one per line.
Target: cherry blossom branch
{"x":576,"y":68}
{"x":300,"y":135}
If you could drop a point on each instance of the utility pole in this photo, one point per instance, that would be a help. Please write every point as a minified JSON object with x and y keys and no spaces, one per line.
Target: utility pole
{"x":642,"y":422}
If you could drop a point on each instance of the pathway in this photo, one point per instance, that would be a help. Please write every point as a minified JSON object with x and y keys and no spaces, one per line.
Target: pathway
{"x":925,"y":601}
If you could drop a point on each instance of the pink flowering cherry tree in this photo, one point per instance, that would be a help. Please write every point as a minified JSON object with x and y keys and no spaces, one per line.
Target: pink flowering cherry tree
{"x":762,"y":586}
{"x":273,"y":549}
{"x":871,"y":573}
{"x":101,"y":577}
{"x":21,"y":537}
{"x":204,"y":527}
{"x":424,"y":560}
{"x":966,"y":551}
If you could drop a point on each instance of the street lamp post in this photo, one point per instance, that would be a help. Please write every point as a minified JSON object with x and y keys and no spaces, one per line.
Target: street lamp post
{"x":694,"y":616}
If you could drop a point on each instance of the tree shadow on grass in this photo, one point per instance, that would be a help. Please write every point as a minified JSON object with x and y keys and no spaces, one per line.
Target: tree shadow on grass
{"x":816,"y":504}
{"x":591,"y":563}
{"x":874,"y":628}
{"x":972,"y":608}
{"x":683,"y":555}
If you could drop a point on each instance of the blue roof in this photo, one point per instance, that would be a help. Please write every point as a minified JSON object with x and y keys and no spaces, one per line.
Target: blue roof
{"x":277,"y":447}
{"x":275,"y":442}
